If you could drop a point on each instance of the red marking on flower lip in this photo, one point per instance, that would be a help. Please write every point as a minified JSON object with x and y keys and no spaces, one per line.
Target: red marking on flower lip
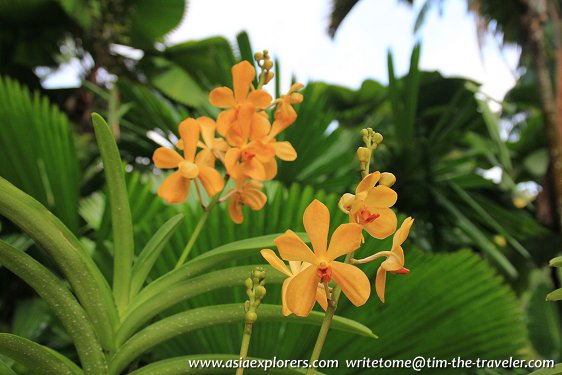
{"x":325,"y":274}
{"x":367,"y":217}
{"x":401,"y":271}
{"x":247,"y":156}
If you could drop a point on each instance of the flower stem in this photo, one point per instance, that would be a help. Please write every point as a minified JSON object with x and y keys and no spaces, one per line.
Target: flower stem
{"x":321,"y":339}
{"x":245,"y":345}
{"x":197,"y":232}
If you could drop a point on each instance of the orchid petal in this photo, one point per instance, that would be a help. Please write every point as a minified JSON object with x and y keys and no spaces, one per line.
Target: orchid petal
{"x":368,"y":182}
{"x":380,"y":283}
{"x":291,"y":247}
{"x":352,"y":281}
{"x":222,"y":97}
{"x":271,"y":258}
{"x":166,"y":158}
{"x":380,"y":196}
{"x":346,"y":238}
{"x":316,"y":220}
{"x":384,"y":225}
{"x":301,"y":292}
{"x":189,"y":132}
{"x":175,"y":188}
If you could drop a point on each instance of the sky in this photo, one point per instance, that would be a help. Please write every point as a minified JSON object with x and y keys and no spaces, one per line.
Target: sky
{"x":294,"y":31}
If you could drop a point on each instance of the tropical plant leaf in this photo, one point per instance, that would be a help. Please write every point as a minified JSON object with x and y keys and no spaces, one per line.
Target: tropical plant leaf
{"x":37,"y":149}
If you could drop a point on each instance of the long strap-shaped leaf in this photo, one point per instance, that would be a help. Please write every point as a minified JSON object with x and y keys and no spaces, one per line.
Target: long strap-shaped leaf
{"x":151,"y":251}
{"x":62,"y":302}
{"x":206,"y":261}
{"x":185,"y":290}
{"x":187,"y":365}
{"x":121,"y":220}
{"x":209,"y":316}
{"x":37,"y":358}
{"x":46,"y":230}
{"x":473,"y":232}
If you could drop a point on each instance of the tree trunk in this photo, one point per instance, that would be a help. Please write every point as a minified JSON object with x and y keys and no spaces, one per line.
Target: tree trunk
{"x":534,"y":22}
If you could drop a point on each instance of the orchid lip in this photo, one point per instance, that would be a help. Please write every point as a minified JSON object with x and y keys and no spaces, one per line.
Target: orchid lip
{"x":401,"y":271}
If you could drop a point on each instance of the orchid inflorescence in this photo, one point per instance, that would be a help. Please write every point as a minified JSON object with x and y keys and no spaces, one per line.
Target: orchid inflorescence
{"x":245,"y":144}
{"x":312,"y":272}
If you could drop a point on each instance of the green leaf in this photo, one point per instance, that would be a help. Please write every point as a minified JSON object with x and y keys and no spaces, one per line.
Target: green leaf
{"x":543,"y":321}
{"x":206,"y":261}
{"x":47,"y":231}
{"x":477,"y":236}
{"x":556,"y":370}
{"x":555,"y":295}
{"x":537,"y":163}
{"x":150,"y":253}
{"x":37,"y":357}
{"x":485,"y":216}
{"x":120,"y":211}
{"x":38,"y":154}
{"x":152,"y":20}
{"x":5,"y":369}
{"x":31,"y":317}
{"x":140,"y":313}
{"x":188,"y":321}
{"x":556,"y":262}
{"x":176,"y":83}
{"x":62,"y":302}
{"x":180,"y":366}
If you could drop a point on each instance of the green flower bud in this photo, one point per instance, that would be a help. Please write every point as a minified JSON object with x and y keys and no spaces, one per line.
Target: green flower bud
{"x":260,"y":291}
{"x":364,"y":133}
{"x":378,"y":138}
{"x":251,"y":317}
{"x":267,"y":64}
{"x":249,"y":284}
{"x":258,"y":56}
{"x":363,"y":154}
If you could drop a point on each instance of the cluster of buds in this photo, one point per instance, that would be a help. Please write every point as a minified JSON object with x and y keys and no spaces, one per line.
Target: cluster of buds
{"x":255,"y":290}
{"x":264,"y":62}
{"x":242,"y":139}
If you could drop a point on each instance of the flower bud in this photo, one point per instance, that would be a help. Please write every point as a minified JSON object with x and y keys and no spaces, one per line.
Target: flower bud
{"x":267,"y":64}
{"x":260,"y":291}
{"x":258,"y":56}
{"x":387,"y":179}
{"x":378,"y":138}
{"x":248,"y":283}
{"x":268,"y":77}
{"x":345,"y":202}
{"x":364,"y":132}
{"x":251,"y":317}
{"x":500,"y":240}
{"x":259,"y":274}
{"x":363,"y":154}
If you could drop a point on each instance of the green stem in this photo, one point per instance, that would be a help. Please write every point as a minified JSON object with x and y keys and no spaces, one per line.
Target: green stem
{"x":245,"y":345}
{"x":197,"y":232}
{"x":326,"y":323}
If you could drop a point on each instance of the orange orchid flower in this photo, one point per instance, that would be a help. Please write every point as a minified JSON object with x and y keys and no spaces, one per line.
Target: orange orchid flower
{"x":211,"y":148}
{"x":394,"y":261}
{"x":251,"y":160}
{"x":244,"y":117}
{"x":285,"y":113}
{"x":247,"y":193}
{"x":301,"y":291}
{"x":370,"y":206}
{"x":284,"y":150}
{"x":294,"y":269}
{"x":175,"y":187}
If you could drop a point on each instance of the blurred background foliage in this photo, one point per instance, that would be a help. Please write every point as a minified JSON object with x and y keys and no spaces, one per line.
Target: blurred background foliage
{"x":480,"y":247}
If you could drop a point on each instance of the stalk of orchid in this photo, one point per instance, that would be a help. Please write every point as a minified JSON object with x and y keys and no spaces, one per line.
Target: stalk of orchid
{"x":311,"y":272}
